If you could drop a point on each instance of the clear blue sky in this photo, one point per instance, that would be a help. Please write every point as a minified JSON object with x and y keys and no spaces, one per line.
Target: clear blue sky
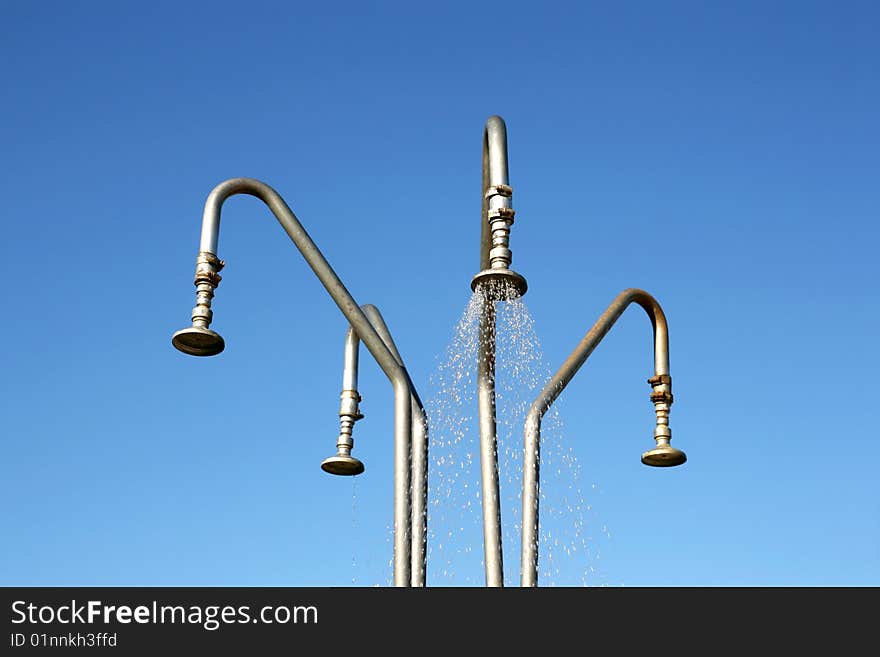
{"x":722,"y":156}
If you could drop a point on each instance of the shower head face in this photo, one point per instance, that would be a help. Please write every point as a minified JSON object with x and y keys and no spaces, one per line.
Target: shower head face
{"x":342,"y":465}
{"x":197,"y":341}
{"x":506,"y":283}
{"x":664,"y":456}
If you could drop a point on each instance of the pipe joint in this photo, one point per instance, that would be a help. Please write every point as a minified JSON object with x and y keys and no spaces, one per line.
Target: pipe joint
{"x":202,"y":315}
{"x":661,"y":396}
{"x":661,"y":392}
{"x":206,"y":281}
{"x":501,"y":214}
{"x":345,"y":441}
{"x":208,"y":276}
{"x":207,"y":267}
{"x":500,"y":257}
{"x":500,"y":220}
{"x":662,"y":434}
{"x":211,"y":259}
{"x":349,"y":404}
{"x":499,"y":190}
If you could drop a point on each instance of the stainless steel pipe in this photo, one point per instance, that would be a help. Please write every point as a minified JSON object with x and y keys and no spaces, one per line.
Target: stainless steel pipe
{"x":495,"y":282}
{"x":200,"y":340}
{"x":662,"y":455}
{"x":491,"y":494}
{"x":343,"y":463}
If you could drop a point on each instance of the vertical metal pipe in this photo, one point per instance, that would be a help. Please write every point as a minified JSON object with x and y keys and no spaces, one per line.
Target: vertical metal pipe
{"x":349,"y":307}
{"x":492,"y":546}
{"x":494,"y":281}
{"x":485,"y":231}
{"x":350,"y":360}
{"x":552,"y":390}
{"x":531,"y":496}
{"x":402,"y":484}
{"x":419,"y":493}
{"x":419,"y":457}
{"x":494,"y":172}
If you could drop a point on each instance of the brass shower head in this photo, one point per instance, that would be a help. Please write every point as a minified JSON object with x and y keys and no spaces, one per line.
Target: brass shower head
{"x":664,"y":456}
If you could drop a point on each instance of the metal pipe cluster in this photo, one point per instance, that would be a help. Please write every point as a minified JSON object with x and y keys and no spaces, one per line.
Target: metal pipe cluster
{"x":496,"y":282}
{"x":200,"y":340}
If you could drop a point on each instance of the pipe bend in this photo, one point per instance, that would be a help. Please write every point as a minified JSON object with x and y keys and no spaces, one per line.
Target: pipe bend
{"x":206,"y":278}
{"x":651,"y":306}
{"x":218,"y":195}
{"x":313,"y":256}
{"x":552,"y":390}
{"x":495,"y":128}
{"x":594,"y":336}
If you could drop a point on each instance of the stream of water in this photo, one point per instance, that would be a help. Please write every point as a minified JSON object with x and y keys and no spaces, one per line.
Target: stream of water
{"x":571,"y":532}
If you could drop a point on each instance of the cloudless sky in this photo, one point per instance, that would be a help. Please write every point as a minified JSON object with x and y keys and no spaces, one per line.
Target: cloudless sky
{"x":722,"y":156}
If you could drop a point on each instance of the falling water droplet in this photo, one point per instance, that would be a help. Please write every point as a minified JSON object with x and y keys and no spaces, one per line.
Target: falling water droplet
{"x":566,"y":550}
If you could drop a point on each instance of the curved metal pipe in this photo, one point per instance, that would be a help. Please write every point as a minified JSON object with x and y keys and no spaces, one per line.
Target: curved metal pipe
{"x":208,"y":264}
{"x":419,"y":458}
{"x":662,"y":398}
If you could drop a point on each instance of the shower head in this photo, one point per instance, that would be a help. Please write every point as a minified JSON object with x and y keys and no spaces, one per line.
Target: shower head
{"x":197,"y":341}
{"x":664,"y":456}
{"x":506,"y":284}
{"x":342,"y":464}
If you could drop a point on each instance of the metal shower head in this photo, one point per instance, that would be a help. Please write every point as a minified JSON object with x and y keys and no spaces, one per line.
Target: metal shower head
{"x":342,"y":464}
{"x":664,"y":456}
{"x":197,"y":341}
{"x":506,"y":283}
